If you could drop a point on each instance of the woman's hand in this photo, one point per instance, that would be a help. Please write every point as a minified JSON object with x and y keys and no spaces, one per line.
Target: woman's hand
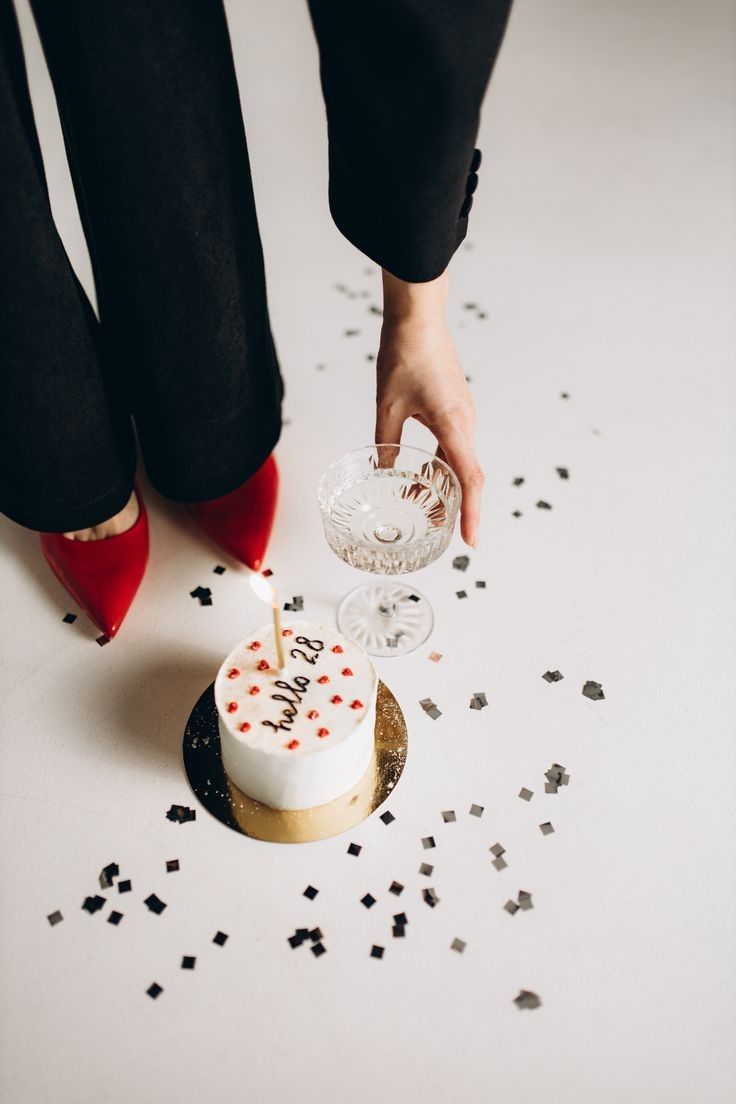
{"x":419,"y":376}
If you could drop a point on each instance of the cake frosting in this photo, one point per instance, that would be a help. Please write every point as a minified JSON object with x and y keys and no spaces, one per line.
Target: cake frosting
{"x":301,"y":737}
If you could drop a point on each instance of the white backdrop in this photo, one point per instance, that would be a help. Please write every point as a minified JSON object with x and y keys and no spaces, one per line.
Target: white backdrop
{"x":601,"y":248}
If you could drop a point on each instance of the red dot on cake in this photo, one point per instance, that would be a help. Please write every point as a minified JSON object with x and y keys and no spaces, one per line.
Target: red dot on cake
{"x":313,"y":714}
{"x":287,"y":632}
{"x":346,"y":671}
{"x":323,"y":679}
{"x":254,"y":690}
{"x":356,"y":704}
{"x":233,"y":672}
{"x":323,"y":732}
{"x":292,"y":744}
{"x":336,"y":699}
{"x":338,"y":649}
{"x":245,"y":726}
{"x":263,"y":664}
{"x":255,"y":645}
{"x":232,"y":706}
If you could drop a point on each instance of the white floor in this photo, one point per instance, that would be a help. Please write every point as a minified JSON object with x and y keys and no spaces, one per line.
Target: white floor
{"x":602,"y":252}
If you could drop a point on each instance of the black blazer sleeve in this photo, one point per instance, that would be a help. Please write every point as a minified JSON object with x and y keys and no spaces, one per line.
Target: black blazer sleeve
{"x":403,"y":83}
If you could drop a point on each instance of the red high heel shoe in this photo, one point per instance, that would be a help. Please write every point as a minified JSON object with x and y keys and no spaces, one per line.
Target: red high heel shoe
{"x":240,"y":522}
{"x":102,"y":576}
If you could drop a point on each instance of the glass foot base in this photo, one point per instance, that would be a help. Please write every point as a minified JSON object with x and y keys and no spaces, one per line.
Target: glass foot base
{"x":386,"y":619}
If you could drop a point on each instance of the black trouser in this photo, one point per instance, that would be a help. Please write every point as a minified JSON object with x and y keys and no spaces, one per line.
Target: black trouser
{"x":149,"y":107}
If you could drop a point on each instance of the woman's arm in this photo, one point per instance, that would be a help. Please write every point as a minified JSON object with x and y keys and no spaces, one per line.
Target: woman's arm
{"x":419,"y":376}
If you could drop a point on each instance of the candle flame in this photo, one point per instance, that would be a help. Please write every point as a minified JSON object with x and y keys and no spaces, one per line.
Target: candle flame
{"x":262,"y":588}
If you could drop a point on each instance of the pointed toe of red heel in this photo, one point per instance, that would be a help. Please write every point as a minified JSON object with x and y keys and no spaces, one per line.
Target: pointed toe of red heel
{"x":240,"y":522}
{"x":102,"y":576}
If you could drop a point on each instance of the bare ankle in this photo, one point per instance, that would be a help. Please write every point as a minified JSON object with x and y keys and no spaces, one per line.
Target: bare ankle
{"x":118,"y":523}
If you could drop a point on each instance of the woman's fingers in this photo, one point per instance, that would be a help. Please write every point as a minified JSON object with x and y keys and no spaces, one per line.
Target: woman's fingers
{"x":458,"y":449}
{"x":390,"y":420}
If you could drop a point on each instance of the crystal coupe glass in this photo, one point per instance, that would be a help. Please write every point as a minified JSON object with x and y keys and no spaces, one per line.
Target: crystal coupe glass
{"x":388,"y":509}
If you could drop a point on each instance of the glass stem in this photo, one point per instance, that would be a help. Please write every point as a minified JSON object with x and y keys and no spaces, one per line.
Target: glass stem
{"x":387,"y":609}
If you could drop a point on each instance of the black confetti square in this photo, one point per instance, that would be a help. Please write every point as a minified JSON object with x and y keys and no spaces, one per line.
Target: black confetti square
{"x":181,"y":814}
{"x":593,"y":690}
{"x":527,"y":999}
{"x":400,"y":919}
{"x":125,"y":886}
{"x":115,"y":917}
{"x":172,"y":865}
{"x":220,"y":938}
{"x":480,"y":584}
{"x":518,"y":480}
{"x":387,"y":817}
{"x":315,"y":935}
{"x":396,"y":888}
{"x":552,"y":676}
{"x":426,"y":869}
{"x":376,"y":952}
{"x":354,"y":849}
{"x":102,"y":640}
{"x":516,"y":513}
{"x":368,"y":900}
{"x":108,"y":874}
{"x":428,"y":843}
{"x":430,"y":897}
{"x":93,"y":904}
{"x":563,"y":473}
{"x":398,"y":931}
{"x":187,"y":962}
{"x":413,"y":598}
{"x":219,"y":569}
{"x":69,"y":618}
{"x":461,"y":593}
{"x":310,"y":892}
{"x":546,"y":829}
{"x":449,"y":816}
{"x":154,"y":990}
{"x":296,"y":940}
{"x":54,"y":918}
{"x":318,"y":949}
{"x":542,"y":505}
{"x":204,"y":594}
{"x":155,"y":904}
{"x":476,"y":810}
{"x":458,"y":945}
{"x":460,"y":563}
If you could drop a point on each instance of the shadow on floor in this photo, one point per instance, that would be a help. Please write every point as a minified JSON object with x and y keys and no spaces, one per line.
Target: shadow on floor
{"x":142,"y":713}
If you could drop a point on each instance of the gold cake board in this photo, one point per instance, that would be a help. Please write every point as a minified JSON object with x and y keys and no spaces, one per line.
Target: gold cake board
{"x":206,"y":775}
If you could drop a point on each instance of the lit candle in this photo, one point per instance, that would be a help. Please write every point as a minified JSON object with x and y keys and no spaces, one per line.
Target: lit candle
{"x":267,"y":593}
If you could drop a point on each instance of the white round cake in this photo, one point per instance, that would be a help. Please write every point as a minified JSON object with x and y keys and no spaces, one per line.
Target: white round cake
{"x":300,"y":737}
